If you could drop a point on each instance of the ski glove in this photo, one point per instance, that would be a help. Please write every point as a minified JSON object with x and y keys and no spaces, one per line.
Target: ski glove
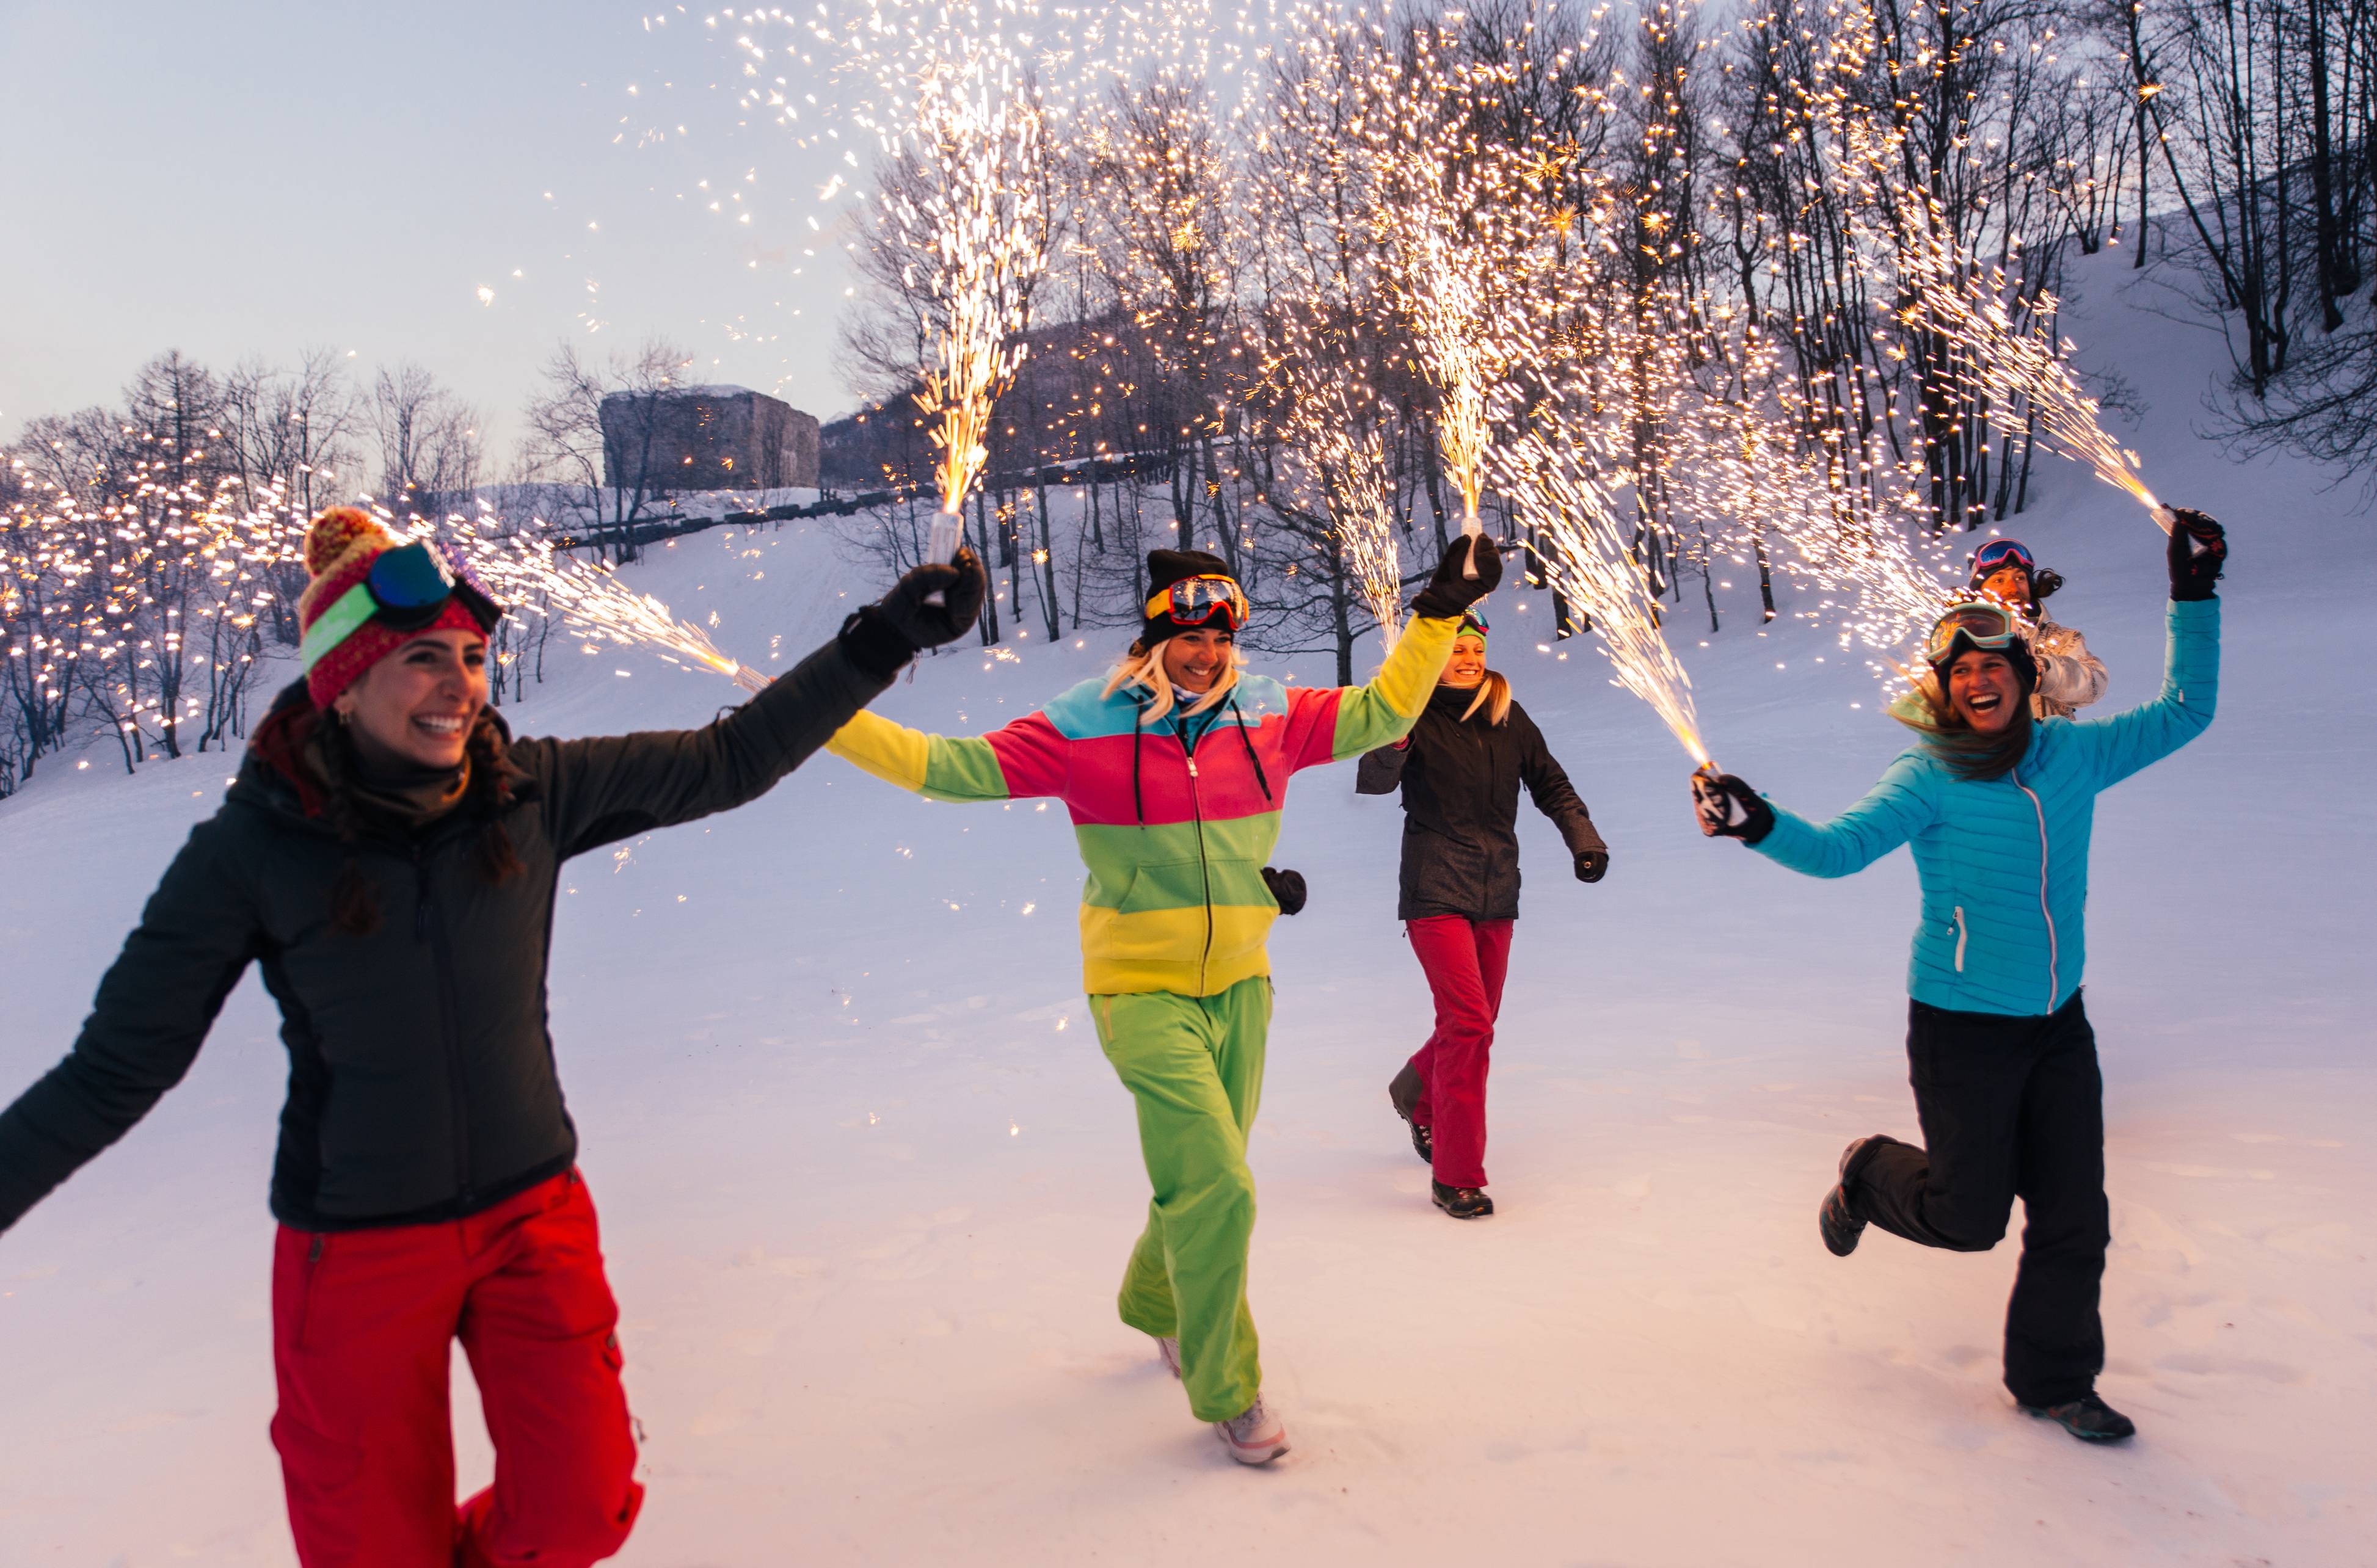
{"x":1590,"y":865}
{"x":2199,"y":549}
{"x":883,"y":636}
{"x":1730,"y":809}
{"x":1286,"y":887}
{"x":1448,"y":592}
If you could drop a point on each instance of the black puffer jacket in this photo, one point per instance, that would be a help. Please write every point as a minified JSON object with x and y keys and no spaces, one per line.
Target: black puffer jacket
{"x":421,"y":1083}
{"x":1460,"y":783}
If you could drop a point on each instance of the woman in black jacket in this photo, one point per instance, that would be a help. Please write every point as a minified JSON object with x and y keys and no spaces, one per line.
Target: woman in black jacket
{"x":1459,"y":770}
{"x":388,"y":855}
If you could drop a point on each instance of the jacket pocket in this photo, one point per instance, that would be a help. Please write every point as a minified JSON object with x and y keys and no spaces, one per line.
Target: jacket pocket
{"x":1961,"y":935}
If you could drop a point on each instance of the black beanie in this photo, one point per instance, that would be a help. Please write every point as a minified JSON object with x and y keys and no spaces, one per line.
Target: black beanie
{"x":1165,"y":567}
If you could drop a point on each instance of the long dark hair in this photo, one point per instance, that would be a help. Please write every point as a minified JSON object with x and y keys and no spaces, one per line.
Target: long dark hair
{"x":1966,"y":752}
{"x":354,"y":901}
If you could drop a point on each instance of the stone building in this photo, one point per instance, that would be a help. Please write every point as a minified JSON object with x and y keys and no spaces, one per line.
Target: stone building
{"x":707,"y":438}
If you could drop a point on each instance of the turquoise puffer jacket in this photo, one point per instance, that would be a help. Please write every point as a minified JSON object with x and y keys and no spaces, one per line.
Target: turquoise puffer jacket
{"x":2004,"y":865}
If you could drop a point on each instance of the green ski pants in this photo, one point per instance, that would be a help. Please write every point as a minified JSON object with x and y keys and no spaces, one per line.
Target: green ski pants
{"x":1195,"y":1065}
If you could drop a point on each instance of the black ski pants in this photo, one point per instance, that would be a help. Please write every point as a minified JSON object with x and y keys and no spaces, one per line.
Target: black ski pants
{"x":2009,"y":1108}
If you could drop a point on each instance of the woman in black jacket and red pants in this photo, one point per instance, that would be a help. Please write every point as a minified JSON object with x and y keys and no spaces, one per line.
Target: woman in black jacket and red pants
{"x":388,"y":855}
{"x":1459,"y":770}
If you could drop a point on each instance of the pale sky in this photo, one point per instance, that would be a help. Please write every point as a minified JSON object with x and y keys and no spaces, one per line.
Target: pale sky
{"x":239,"y":178}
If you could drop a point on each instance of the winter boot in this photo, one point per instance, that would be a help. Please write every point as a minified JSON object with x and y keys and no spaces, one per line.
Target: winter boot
{"x":1840,"y":1225}
{"x":1402,"y":1093}
{"x":1461,"y":1203}
{"x":1168,"y":1347}
{"x":2088,"y":1418}
{"x":1253,"y":1436}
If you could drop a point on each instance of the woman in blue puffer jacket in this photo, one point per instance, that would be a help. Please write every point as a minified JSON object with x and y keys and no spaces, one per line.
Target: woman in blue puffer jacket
{"x":1997,"y":808}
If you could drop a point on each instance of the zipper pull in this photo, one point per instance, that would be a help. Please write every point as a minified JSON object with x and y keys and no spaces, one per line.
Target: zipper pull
{"x":314,"y":1253}
{"x":1192,"y":768}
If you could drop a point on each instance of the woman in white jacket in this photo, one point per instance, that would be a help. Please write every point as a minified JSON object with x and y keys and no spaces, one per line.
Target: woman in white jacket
{"x":2069,"y":677}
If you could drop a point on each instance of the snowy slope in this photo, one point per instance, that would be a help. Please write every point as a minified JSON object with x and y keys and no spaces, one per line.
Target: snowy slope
{"x":868,"y":1184}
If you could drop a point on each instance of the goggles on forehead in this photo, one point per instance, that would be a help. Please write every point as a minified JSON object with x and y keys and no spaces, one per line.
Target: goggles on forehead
{"x":2001,"y":552}
{"x":1473,"y":625}
{"x":407,"y":588}
{"x":1990,"y":628}
{"x":1193,"y":601}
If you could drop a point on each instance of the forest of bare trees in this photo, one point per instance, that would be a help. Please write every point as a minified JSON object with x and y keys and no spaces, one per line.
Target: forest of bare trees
{"x":1216,"y":355}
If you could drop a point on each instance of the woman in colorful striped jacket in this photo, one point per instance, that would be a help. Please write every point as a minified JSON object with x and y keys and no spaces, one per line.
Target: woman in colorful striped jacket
{"x":1175,"y":768}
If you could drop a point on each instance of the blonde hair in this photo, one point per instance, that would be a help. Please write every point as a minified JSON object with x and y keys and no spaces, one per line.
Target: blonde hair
{"x":1493,"y":695}
{"x":1143,"y":666}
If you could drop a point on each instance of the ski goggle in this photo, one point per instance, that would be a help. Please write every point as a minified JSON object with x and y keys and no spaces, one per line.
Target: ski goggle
{"x":1989,"y":628}
{"x":1471,"y":626}
{"x":407,"y":588}
{"x":1192,"y":601}
{"x":2001,"y":553}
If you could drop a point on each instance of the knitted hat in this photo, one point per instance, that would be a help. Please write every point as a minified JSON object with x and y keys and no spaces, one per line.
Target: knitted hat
{"x":340,"y":550}
{"x":1165,"y":567}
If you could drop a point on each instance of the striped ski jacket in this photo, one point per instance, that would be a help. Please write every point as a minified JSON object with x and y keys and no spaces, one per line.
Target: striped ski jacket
{"x":2004,"y":864}
{"x":1176,"y":817}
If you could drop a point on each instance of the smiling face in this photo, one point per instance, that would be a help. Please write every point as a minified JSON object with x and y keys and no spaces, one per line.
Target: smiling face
{"x":1194,"y":660}
{"x":1467,"y":665}
{"x":415,"y":708}
{"x":2009,"y":584}
{"x":1984,"y":691}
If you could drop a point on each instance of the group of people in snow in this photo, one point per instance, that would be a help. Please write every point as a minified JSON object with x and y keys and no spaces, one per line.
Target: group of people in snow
{"x":388,"y":855}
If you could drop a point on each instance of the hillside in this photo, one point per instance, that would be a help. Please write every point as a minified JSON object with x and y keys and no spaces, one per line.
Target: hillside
{"x":867,"y":1184}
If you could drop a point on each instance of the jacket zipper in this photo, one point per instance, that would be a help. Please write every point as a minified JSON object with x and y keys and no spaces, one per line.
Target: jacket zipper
{"x":1205,"y":872}
{"x":425,"y":921}
{"x":1960,"y":939}
{"x":2053,"y":983}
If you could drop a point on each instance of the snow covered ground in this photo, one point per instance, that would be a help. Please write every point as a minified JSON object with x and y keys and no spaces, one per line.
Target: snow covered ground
{"x":868,"y":1184}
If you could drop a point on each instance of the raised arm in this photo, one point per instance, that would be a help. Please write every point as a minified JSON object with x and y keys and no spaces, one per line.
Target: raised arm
{"x":1334,"y":723}
{"x":611,"y":787}
{"x":2124,"y":742}
{"x":154,"y":1007}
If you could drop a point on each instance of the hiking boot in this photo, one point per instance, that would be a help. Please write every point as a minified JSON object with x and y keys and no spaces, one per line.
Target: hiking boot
{"x":1842,"y":1226}
{"x":1402,"y":1092}
{"x":2088,"y":1418}
{"x":1461,"y":1203}
{"x":1253,"y":1436}
{"x":1168,"y":1347}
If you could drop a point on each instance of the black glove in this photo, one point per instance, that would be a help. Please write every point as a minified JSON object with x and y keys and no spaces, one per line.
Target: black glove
{"x":1448,"y":592}
{"x":1730,"y":809}
{"x":1590,"y":865}
{"x":1286,"y":887}
{"x":883,"y":636}
{"x":2198,"y":550}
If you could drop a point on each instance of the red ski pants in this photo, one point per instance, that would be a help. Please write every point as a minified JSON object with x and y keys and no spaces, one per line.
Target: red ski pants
{"x":1466,"y":961}
{"x":363,"y":1328}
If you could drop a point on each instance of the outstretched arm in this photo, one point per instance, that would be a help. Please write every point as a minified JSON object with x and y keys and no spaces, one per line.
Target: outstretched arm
{"x":606,"y":789}
{"x":1901,"y":805}
{"x":154,"y":1008}
{"x":1012,"y":762}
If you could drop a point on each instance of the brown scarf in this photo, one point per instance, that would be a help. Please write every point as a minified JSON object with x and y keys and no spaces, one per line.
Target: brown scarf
{"x":412,"y":797}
